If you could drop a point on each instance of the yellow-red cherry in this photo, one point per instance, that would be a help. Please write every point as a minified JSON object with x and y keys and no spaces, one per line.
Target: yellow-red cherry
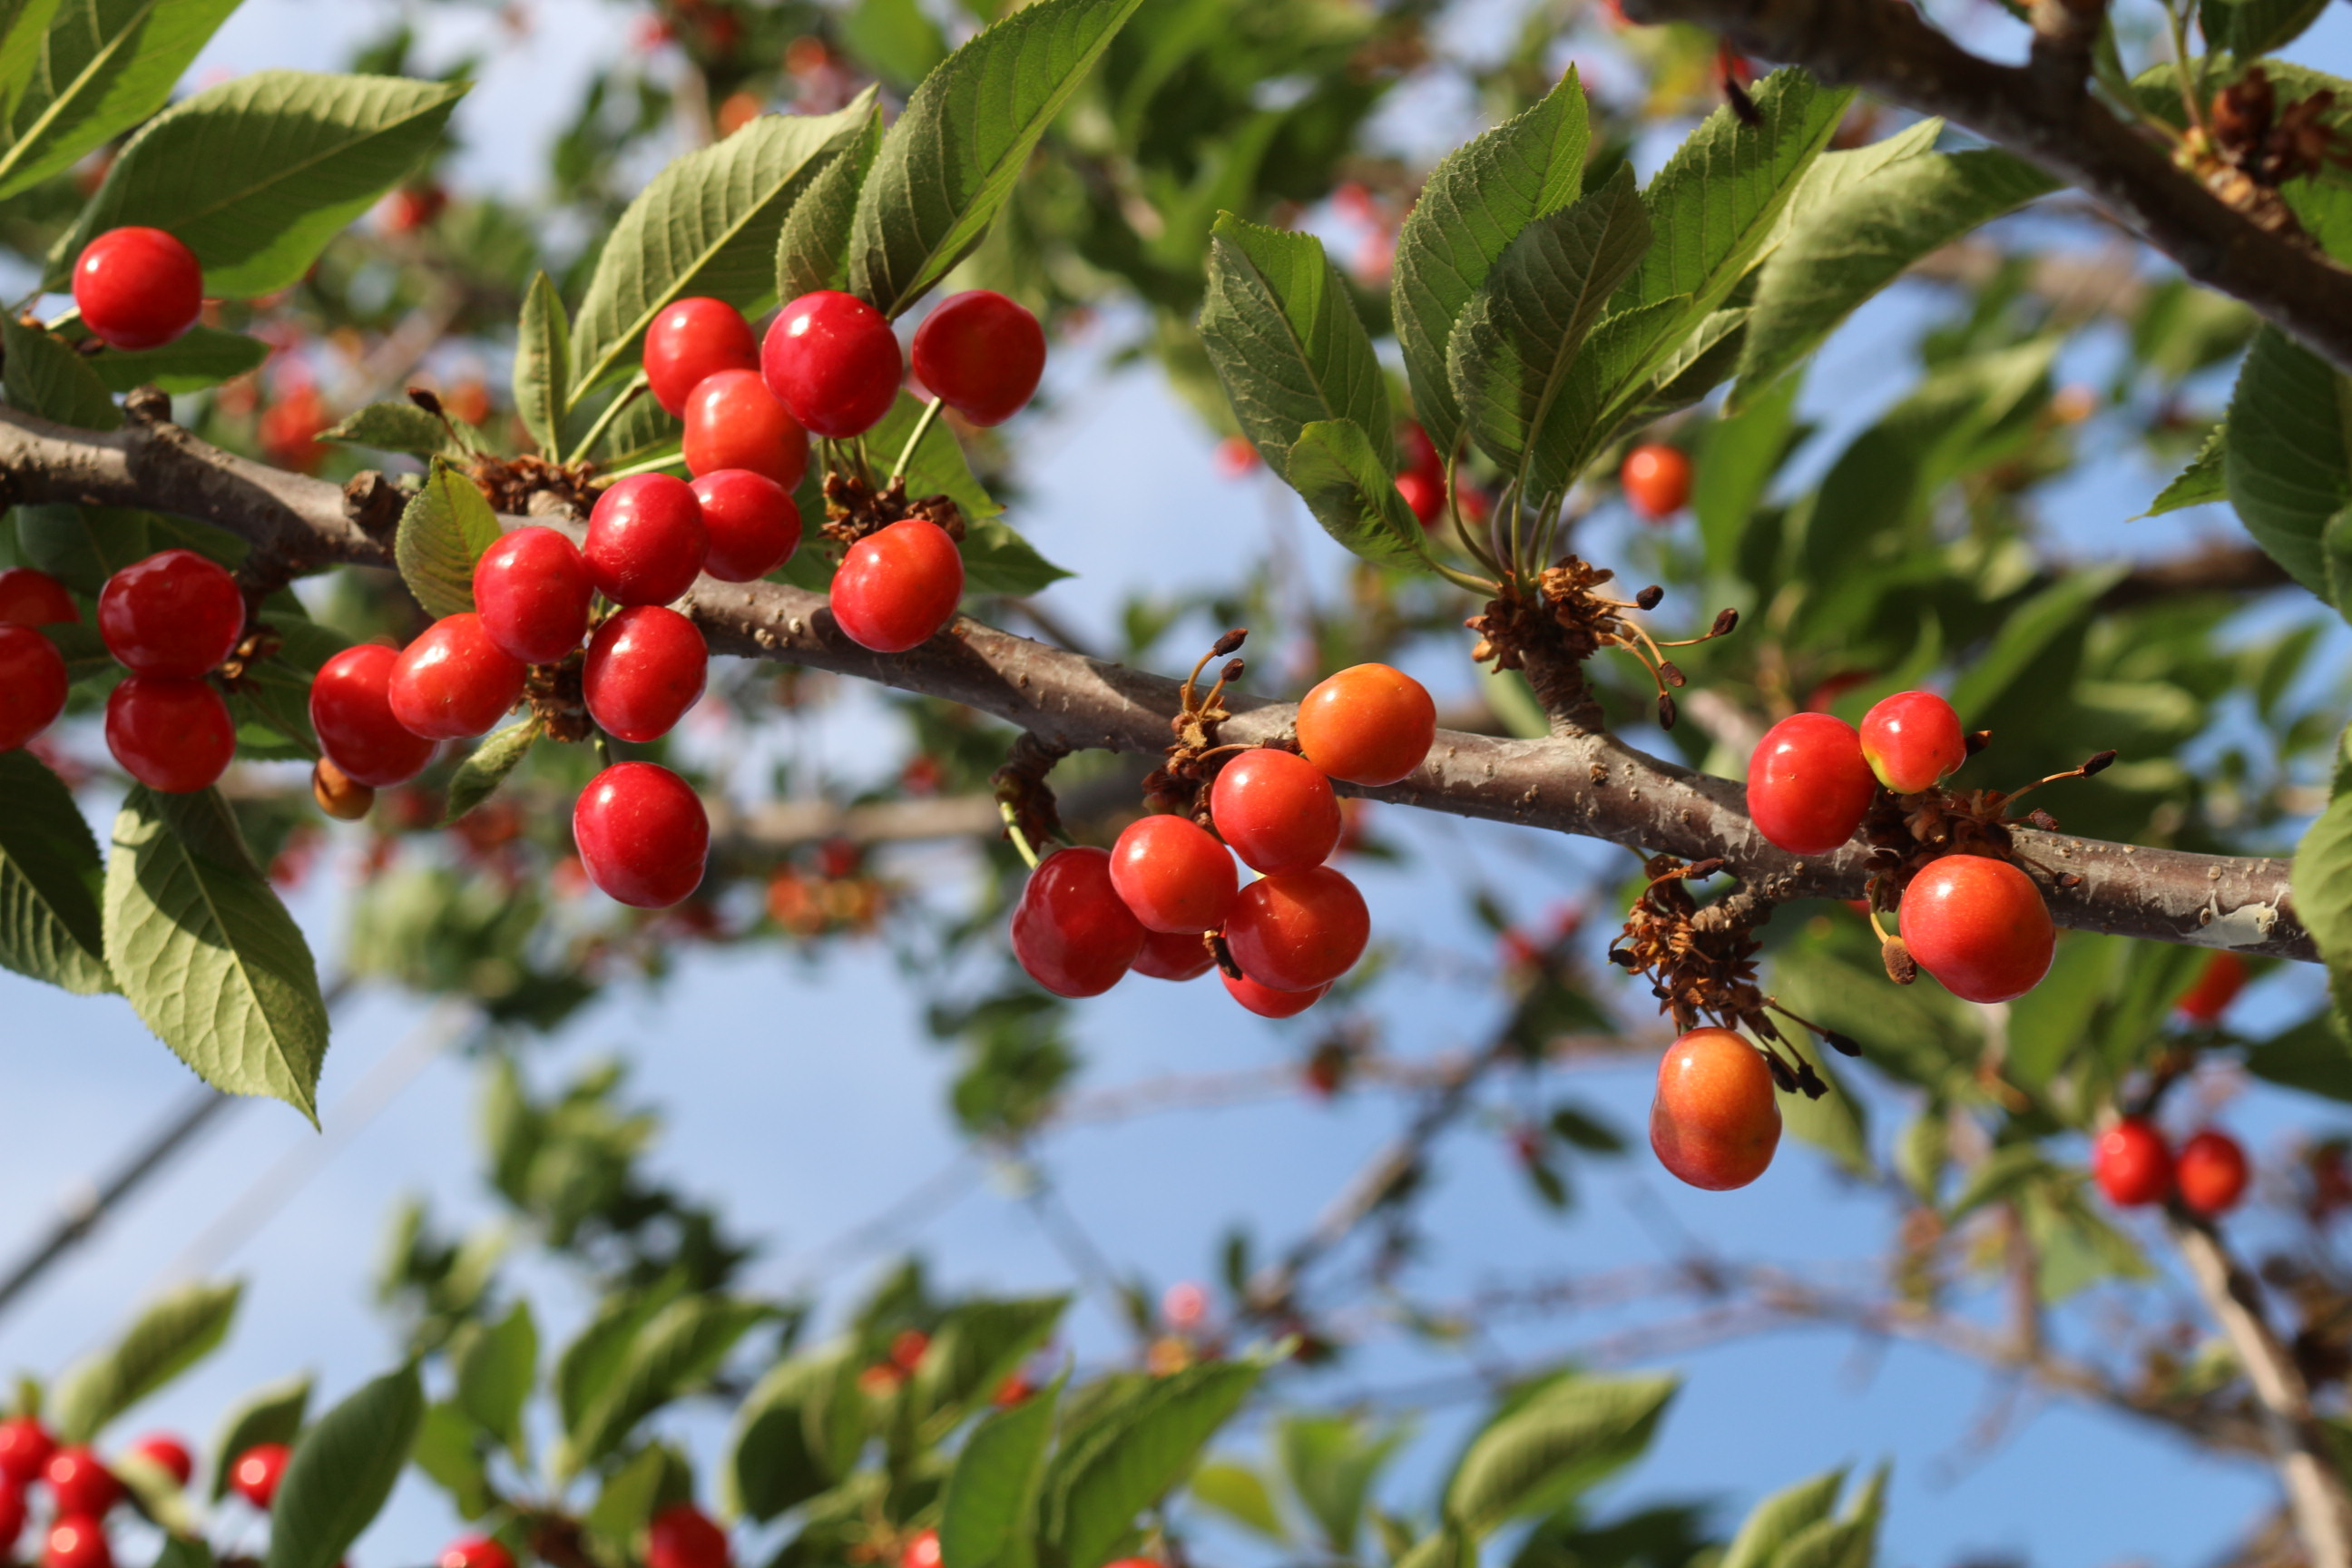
{"x":1294,"y":931}
{"x":752,"y":524}
{"x":338,"y":794}
{"x":645,"y":539}
{"x":898,"y":585}
{"x":683,"y":1536}
{"x":2216,"y":986}
{"x":452,"y":681}
{"x":531,"y":590}
{"x":30,"y":598}
{"x":982,"y":354}
{"x":258,"y":1471}
{"x":2132,"y":1163}
{"x":1657,"y":481}
{"x":733,"y":421}
{"x":76,"y":1541}
{"x":175,"y":613}
{"x":1173,"y":874}
{"x":1911,"y":740}
{"x":1267,"y":1001}
{"x":138,"y":288}
{"x":80,"y":1483}
{"x":1276,"y":809}
{"x":171,"y":734}
{"x":690,"y":342}
{"x":833,"y":360}
{"x":642,"y":833}
{"x":646,"y":667}
{"x":1980,"y":926}
{"x":1071,"y":930}
{"x":351,"y":710}
{"x":1809,"y":783}
{"x":475,"y":1551}
{"x":1172,"y":955}
{"x":1714,"y":1122}
{"x":1369,"y":724}
{"x":33,"y":684}
{"x":2210,"y":1172}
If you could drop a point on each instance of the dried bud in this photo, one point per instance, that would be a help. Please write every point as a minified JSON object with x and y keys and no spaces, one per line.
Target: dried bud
{"x":2042,"y":820}
{"x":339,"y":794}
{"x":1623,"y":960}
{"x":2099,"y":764}
{"x":1843,"y":1044}
{"x":1666,"y":711}
{"x":1648,"y":598}
{"x":1784,"y":1078}
{"x":1900,"y":967}
{"x":1725,"y":620}
{"x":1233,"y":671}
{"x":1700,"y":870}
{"x":1223,"y":955}
{"x":1229,"y":643}
{"x":2069,"y":879}
{"x":427,"y":399}
{"x":1809,"y":1081}
{"x":1669,"y":672}
{"x":1978,"y":740}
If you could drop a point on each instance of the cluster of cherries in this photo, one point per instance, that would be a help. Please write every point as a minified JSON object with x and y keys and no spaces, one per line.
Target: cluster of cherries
{"x":1166,"y":900}
{"x":2134,"y":1167}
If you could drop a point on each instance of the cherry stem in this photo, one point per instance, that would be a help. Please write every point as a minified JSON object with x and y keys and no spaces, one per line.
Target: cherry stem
{"x":1012,"y":831}
{"x":2097,"y":765}
{"x":650,"y":466}
{"x":604,"y":750}
{"x":1882,"y":938}
{"x":1461,"y":532}
{"x":628,"y":394}
{"x":915,"y":440}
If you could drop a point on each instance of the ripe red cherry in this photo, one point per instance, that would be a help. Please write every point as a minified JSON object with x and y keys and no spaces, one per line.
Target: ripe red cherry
{"x":733,"y":421}
{"x":77,"y":1540}
{"x":1657,"y":481}
{"x":1294,"y":931}
{"x":832,"y":359}
{"x":138,"y":288}
{"x":642,"y":834}
{"x":167,"y":1454}
{"x":2218,"y":985}
{"x":1071,"y":930}
{"x":683,"y":1536}
{"x":80,"y":1484}
{"x":452,"y":681}
{"x":30,"y":598}
{"x":475,"y":1551}
{"x":980,"y":354}
{"x":25,"y":1448}
{"x":646,"y":667}
{"x":258,"y":1471}
{"x":752,"y":522}
{"x":350,"y":708}
{"x":1172,"y":955}
{"x":1715,"y":1123}
{"x":1276,"y":810}
{"x":173,"y":614}
{"x":12,"y":1515}
{"x":1911,"y":740}
{"x":1808,"y":783}
{"x":692,"y":340}
{"x":2131,"y":1163}
{"x":32,"y":684}
{"x":897,"y":586}
{"x":531,"y":590}
{"x":1173,"y":875}
{"x":1978,"y":926}
{"x":1267,"y":1001}
{"x":170,"y":734}
{"x":1369,"y":724}
{"x":921,"y":1551}
{"x":645,"y":539}
{"x":1425,"y":495}
{"x":2210,"y":1172}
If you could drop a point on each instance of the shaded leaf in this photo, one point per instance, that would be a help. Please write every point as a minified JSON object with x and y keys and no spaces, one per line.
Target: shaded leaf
{"x":105,"y":65}
{"x":986,"y":1505}
{"x":51,"y":877}
{"x":542,"y":366}
{"x":342,"y":1471}
{"x":2201,"y":481}
{"x":496,"y":1369}
{"x":394,"y":427}
{"x":1558,"y":1442}
{"x":1240,"y":1494}
{"x":175,"y":1331}
{"x":1122,"y":1462}
{"x":200,"y":357}
{"x":443,"y":530}
{"x":44,"y":375}
{"x":678,"y":1348}
{"x":2322,"y":880}
{"x":812,"y":250}
{"x":271,"y":1413}
{"x":2288,"y":462}
{"x":1345,"y":485}
{"x":486,"y":766}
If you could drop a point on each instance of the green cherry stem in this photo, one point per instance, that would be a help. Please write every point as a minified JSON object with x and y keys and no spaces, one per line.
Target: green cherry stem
{"x":628,"y":394}
{"x":1012,"y":831}
{"x":922,"y":428}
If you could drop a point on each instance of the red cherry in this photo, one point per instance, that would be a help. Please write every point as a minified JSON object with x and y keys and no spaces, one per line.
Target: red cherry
{"x":2131,"y":1164}
{"x":752,"y":522}
{"x":2218,"y":985}
{"x":642,"y":834}
{"x":138,"y":288}
{"x":80,"y":1484}
{"x":921,"y":1551}
{"x":77,"y":1540}
{"x":531,"y":590}
{"x":172,"y":614}
{"x":980,"y":354}
{"x":25,"y":1449}
{"x":12,"y":1515}
{"x":475,"y":1551}
{"x":692,"y":340}
{"x":350,"y":708}
{"x":1715,"y":1123}
{"x":1172,"y":955}
{"x":1425,"y":495}
{"x":1369,"y":724}
{"x":733,"y":421}
{"x":170,"y":734}
{"x":167,"y":1454}
{"x":258,"y":1471}
{"x":1173,"y":875}
{"x":30,"y":598}
{"x":1276,"y":810}
{"x":1416,"y":454}
{"x":832,"y":359}
{"x":1808,"y":783}
{"x":1911,"y":740}
{"x":683,"y":1536}
{"x":1294,"y":931}
{"x":1978,"y":926}
{"x":1071,"y":930}
{"x":645,"y":539}
{"x":1657,"y":481}
{"x":452,"y":681}
{"x":646,"y":667}
{"x":897,"y":586}
{"x":32,"y":684}
{"x":1267,"y":1001}
{"x":2210,"y":1172}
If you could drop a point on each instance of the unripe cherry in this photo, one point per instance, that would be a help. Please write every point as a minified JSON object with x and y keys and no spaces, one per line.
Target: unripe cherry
{"x":138,"y":288}
{"x":1071,"y":930}
{"x":79,"y":1483}
{"x":1294,"y":931}
{"x":76,"y":1541}
{"x":1911,"y":740}
{"x":30,"y":598}
{"x":351,"y":708}
{"x":2132,"y":1164}
{"x":1173,"y":875}
{"x":1267,"y":1001}
{"x":752,"y":522}
{"x":1808,"y":783}
{"x":645,"y":539}
{"x":1978,"y":926}
{"x":1657,"y":481}
{"x":1369,"y":724}
{"x":33,"y":684}
{"x":338,"y":794}
{"x":475,"y":1551}
{"x":1276,"y":809}
{"x":25,"y":1448}
{"x":982,"y":354}
{"x":175,"y":613}
{"x":258,"y":1471}
{"x":897,"y":586}
{"x":1172,"y":955}
{"x":642,"y":834}
{"x":692,"y":340}
{"x":683,"y":1536}
{"x":452,"y":681}
{"x":1715,"y":1123}
{"x":832,"y":359}
{"x":733,"y":421}
{"x":646,"y":667}
{"x":171,"y":734}
{"x":531,"y":590}
{"x":2210,"y":1172}
{"x":2217,"y":985}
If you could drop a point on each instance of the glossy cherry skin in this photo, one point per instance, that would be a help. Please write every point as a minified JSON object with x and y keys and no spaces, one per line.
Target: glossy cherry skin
{"x":1657,"y":481}
{"x":2217,"y":985}
{"x":921,"y":1551}
{"x":646,"y":667}
{"x":33,"y":684}
{"x":692,"y":340}
{"x":170,"y":734}
{"x":1424,"y":496}
{"x":2210,"y":1172}
{"x":77,"y":1540}
{"x":452,"y":681}
{"x":167,"y":1454}
{"x":1911,"y":740}
{"x":1267,"y":1001}
{"x":25,"y":1448}
{"x":642,"y":834}
{"x":531,"y":590}
{"x":1979,"y":927}
{"x":1071,"y":930}
{"x":1174,"y":876}
{"x":258,"y":1471}
{"x":351,"y":708}
{"x":1808,"y":783}
{"x":752,"y":522}
{"x":30,"y":598}
{"x":475,"y":1551}
{"x":897,"y":586}
{"x":980,"y":354}
{"x":1276,"y":810}
{"x":138,"y":288}
{"x":174,"y":613}
{"x":1294,"y":931}
{"x":1369,"y":724}
{"x":338,"y":794}
{"x":12,"y":1516}
{"x":733,"y":421}
{"x":2132,"y":1163}
{"x":79,"y":1484}
{"x":645,"y":539}
{"x":1172,"y":955}
{"x":1715,"y":1123}
{"x":833,"y":360}
{"x":683,"y":1536}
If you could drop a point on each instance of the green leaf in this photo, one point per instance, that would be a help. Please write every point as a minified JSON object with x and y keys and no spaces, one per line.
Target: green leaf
{"x":2201,"y":481}
{"x":1474,"y":204}
{"x":271,"y":1413}
{"x":1240,"y":1494}
{"x":24,"y":31}
{"x":1331,"y":1465}
{"x":894,"y":37}
{"x":443,"y":532}
{"x":706,"y":226}
{"x":771,"y":1463}
{"x":677,"y":1349}
{"x":2000,"y":1175}
{"x":2322,"y":882}
{"x":649,"y":1480}
{"x":2288,"y":461}
{"x":105,"y":65}
{"x":1120,"y":1464}
{"x":996,"y":560}
{"x":450,"y":1451}
{"x":586,"y":1368}
{"x":394,"y":427}
{"x":974,"y":1349}
{"x":1773,"y":1524}
{"x":542,"y":366}
{"x":1737,"y":456}
{"x":2310,"y":1056}
{"x":199,"y":358}
{"x":50,"y":881}
{"x":342,"y":1470}
{"x":486,"y":766}
{"x":172,"y":1335}
{"x":1570,"y":1434}
{"x":256,"y":175}
{"x":992,"y":1493}
{"x":44,"y":375}
{"x":952,"y":158}
{"x":938,"y":465}
{"x":2025,"y":632}
{"x":495,"y":1368}
{"x":813,"y":251}
{"x":1334,"y":467}
{"x":2252,"y":28}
